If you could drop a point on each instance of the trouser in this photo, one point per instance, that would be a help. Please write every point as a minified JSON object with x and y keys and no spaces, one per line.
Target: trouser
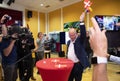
{"x":89,"y":59}
{"x":25,"y":70}
{"x":33,"y":64}
{"x":10,"y":72}
{"x":76,"y":72}
{"x":39,"y":55}
{"x":47,"y":54}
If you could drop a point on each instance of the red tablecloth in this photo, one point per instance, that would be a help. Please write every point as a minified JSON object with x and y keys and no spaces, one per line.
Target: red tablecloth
{"x":55,"y":69}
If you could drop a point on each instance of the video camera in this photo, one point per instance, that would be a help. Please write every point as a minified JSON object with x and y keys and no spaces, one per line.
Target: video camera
{"x":22,"y":33}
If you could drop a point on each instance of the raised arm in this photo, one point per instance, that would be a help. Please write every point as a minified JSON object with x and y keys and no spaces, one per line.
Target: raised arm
{"x":98,"y":43}
{"x":82,"y":27}
{"x":3,"y":22}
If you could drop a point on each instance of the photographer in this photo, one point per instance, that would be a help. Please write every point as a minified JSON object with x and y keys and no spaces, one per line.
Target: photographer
{"x":8,"y":52}
{"x":25,"y":45}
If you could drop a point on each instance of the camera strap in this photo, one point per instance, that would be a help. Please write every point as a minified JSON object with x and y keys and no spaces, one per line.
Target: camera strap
{"x":22,"y":58}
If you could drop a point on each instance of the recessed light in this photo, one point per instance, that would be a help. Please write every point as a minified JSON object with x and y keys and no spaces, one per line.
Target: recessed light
{"x":41,"y":4}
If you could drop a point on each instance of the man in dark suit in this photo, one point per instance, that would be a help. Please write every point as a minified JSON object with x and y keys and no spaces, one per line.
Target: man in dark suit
{"x":76,"y":51}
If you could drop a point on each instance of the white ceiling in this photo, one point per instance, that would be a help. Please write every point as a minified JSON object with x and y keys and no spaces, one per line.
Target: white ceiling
{"x":54,"y":4}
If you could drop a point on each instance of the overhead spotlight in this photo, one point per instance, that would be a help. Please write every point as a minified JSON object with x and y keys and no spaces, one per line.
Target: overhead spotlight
{"x":61,"y":0}
{"x":10,"y":2}
{"x":1,"y":1}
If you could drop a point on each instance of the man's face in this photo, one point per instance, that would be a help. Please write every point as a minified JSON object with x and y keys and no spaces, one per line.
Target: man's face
{"x":72,"y":34}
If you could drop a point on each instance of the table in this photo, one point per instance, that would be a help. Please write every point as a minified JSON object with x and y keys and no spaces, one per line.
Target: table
{"x":55,"y":69}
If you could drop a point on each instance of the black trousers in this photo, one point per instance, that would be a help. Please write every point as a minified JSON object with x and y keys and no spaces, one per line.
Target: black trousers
{"x":25,"y":70}
{"x":76,"y":72}
{"x":47,"y":54}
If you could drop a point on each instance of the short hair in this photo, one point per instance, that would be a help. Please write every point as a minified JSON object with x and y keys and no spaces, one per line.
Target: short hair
{"x":39,"y":34}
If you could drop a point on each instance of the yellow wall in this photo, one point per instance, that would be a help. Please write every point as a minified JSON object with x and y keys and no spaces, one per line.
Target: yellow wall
{"x":42,"y":22}
{"x":99,"y":7}
{"x":55,"y":20}
{"x":72,"y":13}
{"x":105,"y":7}
{"x":33,"y":22}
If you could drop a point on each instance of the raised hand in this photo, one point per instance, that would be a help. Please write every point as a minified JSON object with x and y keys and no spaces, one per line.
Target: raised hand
{"x":98,"y":40}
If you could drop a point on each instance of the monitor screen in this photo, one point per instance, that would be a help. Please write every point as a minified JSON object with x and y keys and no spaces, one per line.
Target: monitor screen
{"x":108,"y":22}
{"x":64,"y":37}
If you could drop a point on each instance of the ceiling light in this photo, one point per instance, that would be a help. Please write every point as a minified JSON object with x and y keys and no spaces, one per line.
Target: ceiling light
{"x":41,"y":5}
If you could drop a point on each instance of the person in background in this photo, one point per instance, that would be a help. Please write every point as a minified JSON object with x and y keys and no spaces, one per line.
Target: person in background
{"x":39,"y":50}
{"x":76,"y":51}
{"x":113,"y":58}
{"x":98,"y":43}
{"x":88,"y":48}
{"x":52,"y":45}
{"x":39,"y":46}
{"x":47,"y":46}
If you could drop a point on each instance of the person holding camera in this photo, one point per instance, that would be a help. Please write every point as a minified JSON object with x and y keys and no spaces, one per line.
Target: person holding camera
{"x":25,"y":44}
{"x":8,"y":52}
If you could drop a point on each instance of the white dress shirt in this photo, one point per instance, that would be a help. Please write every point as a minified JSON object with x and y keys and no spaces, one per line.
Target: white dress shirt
{"x":71,"y":53}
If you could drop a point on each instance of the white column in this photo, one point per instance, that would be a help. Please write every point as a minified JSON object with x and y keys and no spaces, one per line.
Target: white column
{"x":88,"y":22}
{"x":38,"y":22}
{"x":24,"y":21}
{"x":47,"y":22}
{"x":62,"y":19}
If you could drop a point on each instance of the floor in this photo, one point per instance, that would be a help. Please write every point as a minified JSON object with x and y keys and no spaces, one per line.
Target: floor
{"x":87,"y":75}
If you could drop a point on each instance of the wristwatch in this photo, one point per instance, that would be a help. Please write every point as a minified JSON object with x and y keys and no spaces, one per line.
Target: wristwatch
{"x":98,"y":60}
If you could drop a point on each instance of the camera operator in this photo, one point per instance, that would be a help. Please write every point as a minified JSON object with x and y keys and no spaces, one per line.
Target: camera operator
{"x":9,"y":57}
{"x":25,"y":45}
{"x":8,"y":52}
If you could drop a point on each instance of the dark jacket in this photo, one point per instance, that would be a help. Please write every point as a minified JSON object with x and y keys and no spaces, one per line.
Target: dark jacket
{"x":79,"y":47}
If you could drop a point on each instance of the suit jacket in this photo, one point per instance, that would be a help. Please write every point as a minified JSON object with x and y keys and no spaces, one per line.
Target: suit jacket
{"x":79,"y":47}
